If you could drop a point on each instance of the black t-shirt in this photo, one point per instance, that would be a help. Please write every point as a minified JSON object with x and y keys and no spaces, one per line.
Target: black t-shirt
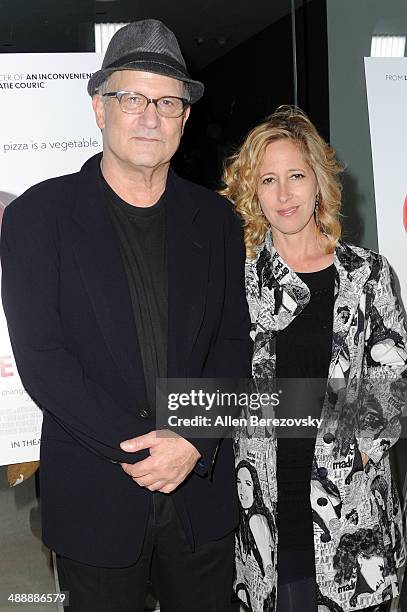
{"x":142,"y":236}
{"x":303,"y":352}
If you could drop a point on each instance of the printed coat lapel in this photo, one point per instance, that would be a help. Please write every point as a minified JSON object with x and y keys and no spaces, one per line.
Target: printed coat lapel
{"x":282,"y":293}
{"x":276,"y":295}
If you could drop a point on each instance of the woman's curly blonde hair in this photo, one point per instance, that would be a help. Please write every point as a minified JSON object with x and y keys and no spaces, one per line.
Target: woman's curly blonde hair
{"x":241,"y":175}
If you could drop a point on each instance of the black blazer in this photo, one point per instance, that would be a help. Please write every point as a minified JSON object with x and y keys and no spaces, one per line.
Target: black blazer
{"x":71,"y":324}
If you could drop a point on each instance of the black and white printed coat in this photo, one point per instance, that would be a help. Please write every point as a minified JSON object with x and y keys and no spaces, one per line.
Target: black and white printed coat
{"x":355,"y":508}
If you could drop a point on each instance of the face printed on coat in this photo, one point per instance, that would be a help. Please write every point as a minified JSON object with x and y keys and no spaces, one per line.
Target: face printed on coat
{"x":372,"y":570}
{"x":245,"y":488}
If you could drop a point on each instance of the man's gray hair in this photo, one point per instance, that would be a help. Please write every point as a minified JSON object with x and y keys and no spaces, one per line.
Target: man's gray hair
{"x":103,"y":87}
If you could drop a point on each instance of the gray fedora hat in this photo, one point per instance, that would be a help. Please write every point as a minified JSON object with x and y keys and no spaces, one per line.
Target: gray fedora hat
{"x":146,"y":45}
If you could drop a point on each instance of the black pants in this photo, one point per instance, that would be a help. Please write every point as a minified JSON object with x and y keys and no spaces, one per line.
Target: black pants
{"x":200,"y":581}
{"x":298,"y":595}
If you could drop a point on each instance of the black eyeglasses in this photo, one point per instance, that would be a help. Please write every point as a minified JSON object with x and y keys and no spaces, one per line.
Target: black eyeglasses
{"x":135,"y":103}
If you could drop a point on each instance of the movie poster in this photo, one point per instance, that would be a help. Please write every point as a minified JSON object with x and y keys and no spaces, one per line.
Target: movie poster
{"x":47,"y":128}
{"x":386,"y":80}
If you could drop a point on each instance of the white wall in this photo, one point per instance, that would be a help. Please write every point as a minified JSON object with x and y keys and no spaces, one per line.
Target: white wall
{"x":351,"y":24}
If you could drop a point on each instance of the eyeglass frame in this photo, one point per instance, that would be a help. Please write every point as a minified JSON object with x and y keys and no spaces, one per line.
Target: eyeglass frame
{"x":119,"y":95}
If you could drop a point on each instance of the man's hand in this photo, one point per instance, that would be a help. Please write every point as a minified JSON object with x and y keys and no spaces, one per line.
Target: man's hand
{"x":171,"y":459}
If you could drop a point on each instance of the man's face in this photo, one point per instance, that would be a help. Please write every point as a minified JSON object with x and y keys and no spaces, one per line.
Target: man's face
{"x":139,"y":141}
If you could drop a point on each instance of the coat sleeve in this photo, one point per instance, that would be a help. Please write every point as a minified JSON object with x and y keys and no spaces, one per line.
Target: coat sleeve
{"x":384,"y":384}
{"x":231,"y":353}
{"x":52,"y":375}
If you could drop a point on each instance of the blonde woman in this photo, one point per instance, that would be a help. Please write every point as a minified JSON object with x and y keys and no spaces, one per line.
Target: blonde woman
{"x":320,"y":309}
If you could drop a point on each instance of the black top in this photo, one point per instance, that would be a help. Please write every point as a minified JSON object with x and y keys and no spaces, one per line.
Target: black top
{"x":142,"y":236}
{"x":303,"y":351}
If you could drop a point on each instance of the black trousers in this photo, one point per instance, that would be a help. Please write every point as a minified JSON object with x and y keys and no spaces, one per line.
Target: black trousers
{"x":185,"y":581}
{"x":298,"y":595}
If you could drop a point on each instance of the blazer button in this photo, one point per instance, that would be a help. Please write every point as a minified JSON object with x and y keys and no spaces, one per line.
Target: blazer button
{"x":144,"y":413}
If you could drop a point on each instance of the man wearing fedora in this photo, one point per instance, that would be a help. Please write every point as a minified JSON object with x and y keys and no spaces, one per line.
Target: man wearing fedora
{"x":113,"y":277}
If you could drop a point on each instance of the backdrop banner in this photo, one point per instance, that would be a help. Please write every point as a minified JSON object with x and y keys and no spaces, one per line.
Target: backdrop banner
{"x":47,"y":129}
{"x":386,"y":80}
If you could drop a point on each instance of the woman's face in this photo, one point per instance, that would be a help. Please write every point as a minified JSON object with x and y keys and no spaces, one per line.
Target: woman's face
{"x":372,"y":570}
{"x":245,"y":488}
{"x":287,"y":188}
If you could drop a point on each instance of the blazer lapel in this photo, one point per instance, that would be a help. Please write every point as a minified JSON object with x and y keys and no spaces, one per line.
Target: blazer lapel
{"x":352,"y":273}
{"x":188,"y":268}
{"x":101,"y":266}
{"x":100,"y":261}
